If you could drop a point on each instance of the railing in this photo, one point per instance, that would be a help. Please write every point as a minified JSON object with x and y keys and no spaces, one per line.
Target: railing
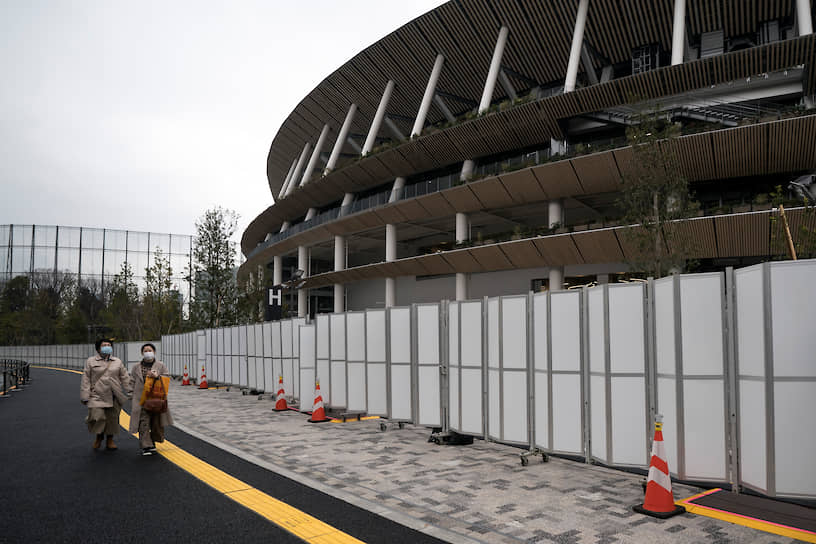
{"x":750,"y":115}
{"x":15,"y":374}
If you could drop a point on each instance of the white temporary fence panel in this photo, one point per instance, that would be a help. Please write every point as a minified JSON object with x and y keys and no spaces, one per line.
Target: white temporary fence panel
{"x":376,"y":363}
{"x":337,"y":348}
{"x":260,"y":379}
{"x":616,"y":336}
{"x":209,"y":357}
{"x":252,"y":371}
{"x":234,"y":357}
{"x":355,"y":360}
{"x":276,"y":343}
{"x":566,"y":363}
{"x":507,"y":370}
{"x":691,"y":372}
{"x":322,"y":324}
{"x":428,"y":360}
{"x":307,"y":349}
{"x":297,"y":322}
{"x":270,"y":380}
{"x":542,"y":385}
{"x":287,"y":363}
{"x":221,"y":350}
{"x":243,"y":364}
{"x":466,"y":371}
{"x":400,"y":333}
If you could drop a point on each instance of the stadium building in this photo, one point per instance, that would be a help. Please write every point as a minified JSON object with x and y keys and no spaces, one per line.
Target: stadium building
{"x":479,"y":150}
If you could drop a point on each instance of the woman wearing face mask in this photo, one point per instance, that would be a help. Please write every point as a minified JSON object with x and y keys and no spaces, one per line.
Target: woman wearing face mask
{"x":105,"y":382}
{"x":149,"y":426}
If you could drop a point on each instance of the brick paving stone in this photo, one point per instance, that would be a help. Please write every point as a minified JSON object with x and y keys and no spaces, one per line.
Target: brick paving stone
{"x":479,"y":491}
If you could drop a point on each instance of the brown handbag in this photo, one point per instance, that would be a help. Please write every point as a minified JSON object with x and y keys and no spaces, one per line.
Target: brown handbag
{"x":157,"y":405}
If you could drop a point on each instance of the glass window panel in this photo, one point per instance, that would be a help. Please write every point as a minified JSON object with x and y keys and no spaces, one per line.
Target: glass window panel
{"x":113,"y":262}
{"x":180,"y":244}
{"x":68,"y":259}
{"x":68,"y":237}
{"x":4,"y":259}
{"x":22,"y":235}
{"x":161,"y":241}
{"x":44,"y":259}
{"x":92,"y":238}
{"x":5,"y":231}
{"x":21,"y":259}
{"x":180,"y":264}
{"x":115,"y":239}
{"x":91,"y":261}
{"x":138,"y":262}
{"x":45,"y":236}
{"x":137,"y":241}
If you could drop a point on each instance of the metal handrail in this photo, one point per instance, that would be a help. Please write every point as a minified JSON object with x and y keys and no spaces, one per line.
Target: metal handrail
{"x":16,"y":373}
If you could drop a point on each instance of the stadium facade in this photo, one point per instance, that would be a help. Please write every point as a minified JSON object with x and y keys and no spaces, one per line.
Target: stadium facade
{"x":479,"y":149}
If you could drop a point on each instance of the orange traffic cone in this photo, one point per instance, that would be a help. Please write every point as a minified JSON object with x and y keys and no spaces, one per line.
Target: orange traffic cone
{"x":280,"y":402}
{"x":659,"y":501}
{"x":186,"y":380}
{"x":318,"y":413}
{"x":202,"y":383}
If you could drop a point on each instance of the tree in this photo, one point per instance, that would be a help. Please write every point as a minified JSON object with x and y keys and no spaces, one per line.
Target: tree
{"x":251,"y":298}
{"x":50,"y":296}
{"x":214,"y":303}
{"x":123,"y":310}
{"x":655,"y":193}
{"x":14,"y":303}
{"x":161,"y":304}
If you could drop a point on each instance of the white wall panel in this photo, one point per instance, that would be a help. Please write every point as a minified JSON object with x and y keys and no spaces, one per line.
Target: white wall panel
{"x":566,"y":330}
{"x":598,"y":416}
{"x":428,"y":360}
{"x":793,"y":305}
{"x":704,"y":429}
{"x":514,"y":408}
{"x":337,"y":344}
{"x":627,"y":348}
{"x":401,"y":384}
{"x":667,"y":406}
{"x":753,"y":438}
{"x":514,"y":332}
{"x":566,"y":404}
{"x":307,"y":367}
{"x":629,"y":421}
{"x":356,"y":356}
{"x":795,"y":437}
{"x":702,"y":324}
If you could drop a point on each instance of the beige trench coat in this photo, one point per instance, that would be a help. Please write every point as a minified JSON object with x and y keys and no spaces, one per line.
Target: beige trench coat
{"x":165,"y":419}
{"x":105,"y":376}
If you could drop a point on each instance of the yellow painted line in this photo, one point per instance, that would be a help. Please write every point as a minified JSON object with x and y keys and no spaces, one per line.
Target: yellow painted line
{"x":350,"y":420}
{"x":745,"y":521}
{"x":291,"y":519}
{"x":55,"y":368}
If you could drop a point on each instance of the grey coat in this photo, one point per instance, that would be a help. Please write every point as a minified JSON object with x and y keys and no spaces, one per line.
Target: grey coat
{"x":100,"y":379}
{"x":165,"y":419}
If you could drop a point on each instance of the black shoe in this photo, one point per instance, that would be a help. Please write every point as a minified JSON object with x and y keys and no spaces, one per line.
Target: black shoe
{"x":148,"y":451}
{"x":152,"y":449}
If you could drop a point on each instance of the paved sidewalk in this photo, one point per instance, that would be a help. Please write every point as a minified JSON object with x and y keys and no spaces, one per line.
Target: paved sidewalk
{"x":473,"y":493}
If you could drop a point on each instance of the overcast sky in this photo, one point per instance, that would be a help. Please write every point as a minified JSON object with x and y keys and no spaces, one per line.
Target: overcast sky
{"x":142,"y":115}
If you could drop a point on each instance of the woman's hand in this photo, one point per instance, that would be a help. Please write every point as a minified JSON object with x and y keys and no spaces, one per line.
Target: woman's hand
{"x":153,"y":374}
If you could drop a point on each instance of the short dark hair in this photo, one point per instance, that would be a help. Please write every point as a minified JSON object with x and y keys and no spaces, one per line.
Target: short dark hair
{"x":148,"y":345}
{"x":100,"y":340}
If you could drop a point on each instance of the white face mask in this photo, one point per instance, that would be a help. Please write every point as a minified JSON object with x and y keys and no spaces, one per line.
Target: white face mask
{"x":148,"y":355}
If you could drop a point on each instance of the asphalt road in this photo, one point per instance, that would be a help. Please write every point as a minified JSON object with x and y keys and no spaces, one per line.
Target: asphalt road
{"x":55,"y":488}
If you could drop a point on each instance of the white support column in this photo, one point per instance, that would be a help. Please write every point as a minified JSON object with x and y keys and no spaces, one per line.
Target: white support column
{"x":284,"y":226}
{"x":577,"y":43}
{"x":392,"y":126}
{"x":390,"y":256}
{"x":303,"y":294}
{"x":444,"y":108}
{"x":339,"y":264}
{"x":803,"y":17}
{"x":678,"y":32}
{"x":341,"y":138}
{"x":310,"y":214}
{"x":462,"y":234}
{"x":354,"y":145}
{"x":396,"y":190}
{"x":298,"y":169}
{"x":493,"y":72}
{"x":556,"y":217}
{"x":277,"y":270}
{"x":321,"y":140}
{"x":287,"y":180}
{"x":427,"y":98}
{"x":507,"y":85}
{"x":378,"y":118}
